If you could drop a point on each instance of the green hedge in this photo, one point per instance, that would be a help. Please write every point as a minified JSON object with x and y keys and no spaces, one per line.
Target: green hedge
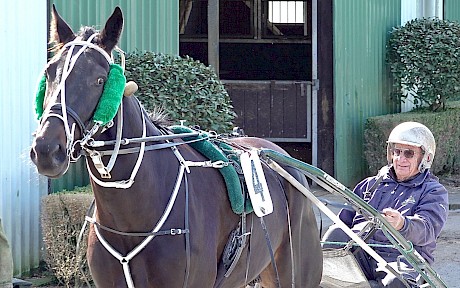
{"x":185,"y":89}
{"x":444,"y":126}
{"x":424,"y":60}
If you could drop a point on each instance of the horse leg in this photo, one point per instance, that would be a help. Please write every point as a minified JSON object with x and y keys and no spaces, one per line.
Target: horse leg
{"x":298,"y":258}
{"x":305,"y":239}
{"x":305,"y":270}
{"x":283,"y":261}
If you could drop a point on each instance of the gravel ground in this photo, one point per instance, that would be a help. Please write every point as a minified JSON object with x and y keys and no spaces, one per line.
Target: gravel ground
{"x":447,"y":254}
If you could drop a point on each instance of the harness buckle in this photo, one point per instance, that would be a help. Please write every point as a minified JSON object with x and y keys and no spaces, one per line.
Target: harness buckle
{"x":178,"y":231}
{"x":99,"y":165}
{"x":87,"y":137}
{"x":219,"y":164}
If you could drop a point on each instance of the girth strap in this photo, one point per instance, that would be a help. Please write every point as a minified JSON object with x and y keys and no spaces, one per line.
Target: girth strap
{"x":172,"y":231}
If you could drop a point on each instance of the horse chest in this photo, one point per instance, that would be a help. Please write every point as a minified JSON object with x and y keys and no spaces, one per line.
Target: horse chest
{"x":162,"y":263}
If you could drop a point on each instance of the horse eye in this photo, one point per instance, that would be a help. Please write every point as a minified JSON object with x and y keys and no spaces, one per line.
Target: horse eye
{"x":100,"y":81}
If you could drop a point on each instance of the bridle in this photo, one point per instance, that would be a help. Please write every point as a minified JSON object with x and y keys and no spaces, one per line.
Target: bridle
{"x":92,"y":128}
{"x":87,"y":131}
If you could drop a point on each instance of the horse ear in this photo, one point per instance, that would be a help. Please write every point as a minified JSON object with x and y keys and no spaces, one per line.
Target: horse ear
{"x":60,"y":31}
{"x":112,"y":30}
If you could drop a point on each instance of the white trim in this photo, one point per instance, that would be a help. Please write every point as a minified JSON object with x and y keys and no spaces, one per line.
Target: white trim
{"x":314,"y":90}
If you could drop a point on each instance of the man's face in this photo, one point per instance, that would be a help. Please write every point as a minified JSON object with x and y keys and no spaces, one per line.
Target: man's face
{"x":406,"y":159}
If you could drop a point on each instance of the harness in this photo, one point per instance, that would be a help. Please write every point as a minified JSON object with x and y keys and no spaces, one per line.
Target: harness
{"x":124,"y":259}
{"x":89,"y":148}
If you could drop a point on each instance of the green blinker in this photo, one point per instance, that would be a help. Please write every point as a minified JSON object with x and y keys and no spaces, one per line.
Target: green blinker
{"x":40,"y":97}
{"x":108,"y":103}
{"x":111,"y":96}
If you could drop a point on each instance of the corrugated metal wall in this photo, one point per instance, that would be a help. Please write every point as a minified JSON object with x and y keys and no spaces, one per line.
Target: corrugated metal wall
{"x":149,"y":25}
{"x":23,"y":50}
{"x":152,"y":25}
{"x":362,"y":85}
{"x":452,"y":10}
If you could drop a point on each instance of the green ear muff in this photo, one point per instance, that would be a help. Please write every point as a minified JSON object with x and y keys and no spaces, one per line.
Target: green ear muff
{"x":40,"y":97}
{"x":111,"y":96}
{"x":108,"y":103}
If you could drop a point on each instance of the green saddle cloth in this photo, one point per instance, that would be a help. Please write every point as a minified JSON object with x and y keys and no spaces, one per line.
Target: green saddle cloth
{"x":215,"y":153}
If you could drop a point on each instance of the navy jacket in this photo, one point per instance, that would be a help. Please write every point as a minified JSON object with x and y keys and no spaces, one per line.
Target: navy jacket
{"x":422,"y":200}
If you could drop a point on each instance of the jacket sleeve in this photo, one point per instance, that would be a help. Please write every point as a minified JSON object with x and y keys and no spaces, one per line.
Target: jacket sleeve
{"x":347,"y":216}
{"x":429,"y":217}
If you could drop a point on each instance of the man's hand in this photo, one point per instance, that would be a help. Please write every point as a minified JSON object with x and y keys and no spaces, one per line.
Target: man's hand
{"x":394,"y":217}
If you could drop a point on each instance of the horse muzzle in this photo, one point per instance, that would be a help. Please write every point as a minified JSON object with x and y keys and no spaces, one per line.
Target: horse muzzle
{"x":49,"y":155}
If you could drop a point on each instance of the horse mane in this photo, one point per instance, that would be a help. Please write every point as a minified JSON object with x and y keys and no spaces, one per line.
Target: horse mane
{"x":159,"y":117}
{"x":84,"y":33}
{"x":87,"y":31}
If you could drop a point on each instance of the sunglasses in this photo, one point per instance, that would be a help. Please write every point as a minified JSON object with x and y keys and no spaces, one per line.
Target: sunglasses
{"x":408,"y":153}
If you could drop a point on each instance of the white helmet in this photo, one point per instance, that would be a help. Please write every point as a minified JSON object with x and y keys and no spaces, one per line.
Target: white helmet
{"x":415,"y":134}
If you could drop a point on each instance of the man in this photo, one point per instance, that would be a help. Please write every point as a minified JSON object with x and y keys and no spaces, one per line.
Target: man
{"x":6,"y":261}
{"x":409,"y":197}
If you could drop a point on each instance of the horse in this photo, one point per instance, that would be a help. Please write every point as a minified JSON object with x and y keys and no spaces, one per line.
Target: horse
{"x":162,"y":215}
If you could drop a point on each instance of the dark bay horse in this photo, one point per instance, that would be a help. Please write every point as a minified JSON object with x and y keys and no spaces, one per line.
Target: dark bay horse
{"x":161,"y":219}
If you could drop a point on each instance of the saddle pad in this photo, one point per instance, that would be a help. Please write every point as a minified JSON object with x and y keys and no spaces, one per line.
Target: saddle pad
{"x":213,"y":153}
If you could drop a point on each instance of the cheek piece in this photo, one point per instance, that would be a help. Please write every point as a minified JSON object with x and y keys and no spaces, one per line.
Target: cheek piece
{"x":108,"y":103}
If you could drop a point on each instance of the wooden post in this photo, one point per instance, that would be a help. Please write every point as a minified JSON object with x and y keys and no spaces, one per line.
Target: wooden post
{"x":213,"y":34}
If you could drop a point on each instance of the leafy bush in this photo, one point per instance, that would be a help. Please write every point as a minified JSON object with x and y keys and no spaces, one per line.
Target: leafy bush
{"x":62,"y":217}
{"x":184,"y":88}
{"x":443,"y":125}
{"x":424,"y":61}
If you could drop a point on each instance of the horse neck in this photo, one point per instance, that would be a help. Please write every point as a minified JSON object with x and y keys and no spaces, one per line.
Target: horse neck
{"x":133,"y":120}
{"x":148,"y":195}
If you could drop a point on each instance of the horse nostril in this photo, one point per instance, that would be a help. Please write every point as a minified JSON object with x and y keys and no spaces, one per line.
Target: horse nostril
{"x":45,"y":150}
{"x":33,"y":155}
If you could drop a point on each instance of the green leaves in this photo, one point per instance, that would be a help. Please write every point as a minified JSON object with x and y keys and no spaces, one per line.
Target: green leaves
{"x":186,"y":89}
{"x":424,"y":61}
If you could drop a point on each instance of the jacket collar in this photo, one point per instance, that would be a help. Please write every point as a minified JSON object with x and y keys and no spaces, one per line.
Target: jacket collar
{"x":389,"y":175}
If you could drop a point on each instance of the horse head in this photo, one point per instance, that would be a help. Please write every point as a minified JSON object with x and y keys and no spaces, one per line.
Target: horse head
{"x":71,"y":97}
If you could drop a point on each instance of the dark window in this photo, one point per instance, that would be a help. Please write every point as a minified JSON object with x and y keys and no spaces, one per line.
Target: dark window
{"x":256,"y":19}
{"x":287,"y":19}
